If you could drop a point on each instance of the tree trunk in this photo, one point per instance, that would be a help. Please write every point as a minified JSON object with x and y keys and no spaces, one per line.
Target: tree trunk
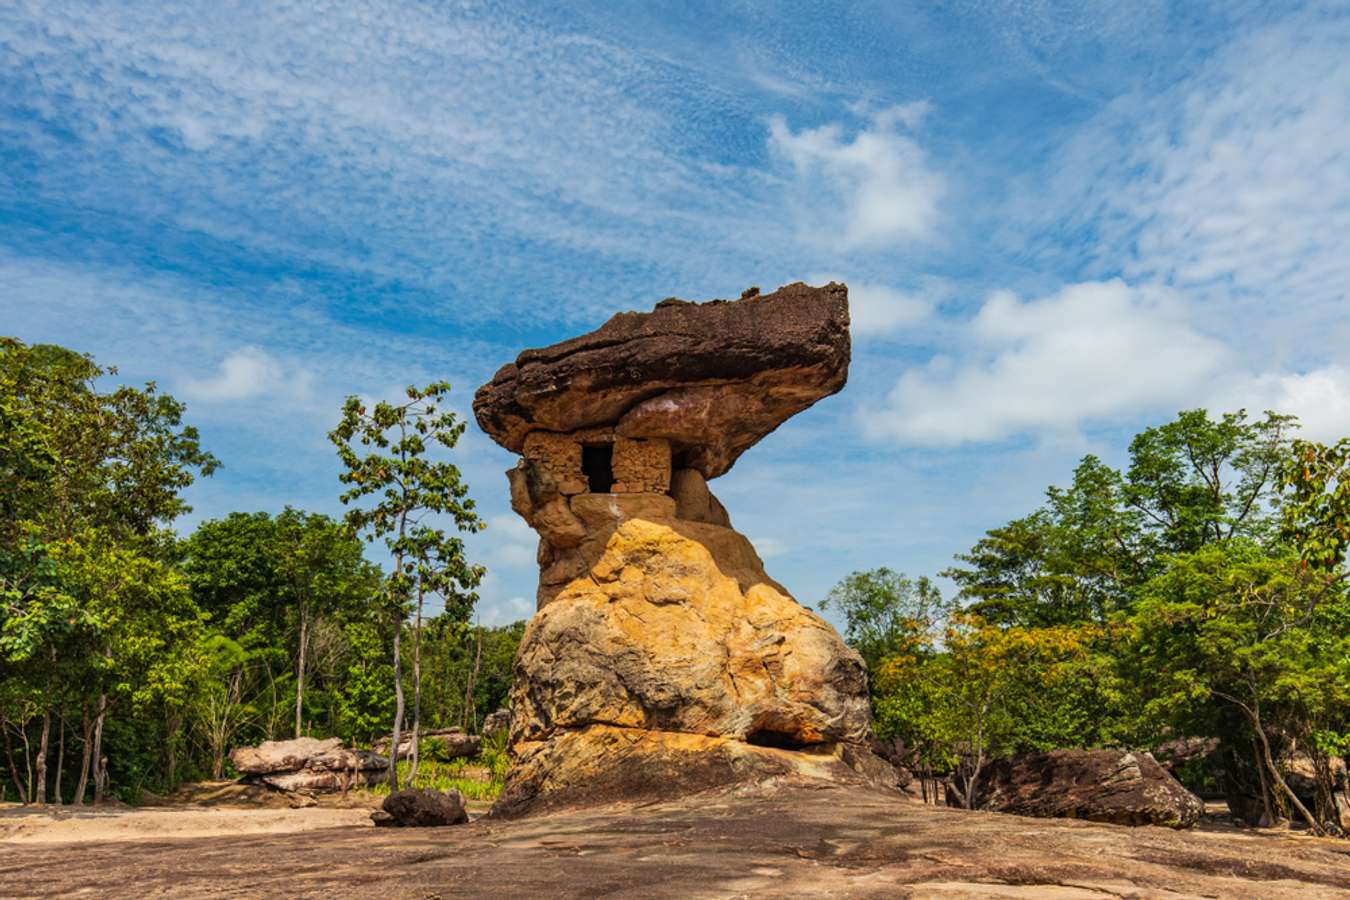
{"x":44,"y":743}
{"x":1324,"y":798}
{"x":1275,"y":775}
{"x":417,"y":688}
{"x":100,"y":763}
{"x":173,"y":723}
{"x":300,"y":668}
{"x":60,"y":758}
{"x":86,"y":727}
{"x":467,"y":713}
{"x":27,"y":762}
{"x":1266,"y":808}
{"x":13,"y":769}
{"x":398,"y":703}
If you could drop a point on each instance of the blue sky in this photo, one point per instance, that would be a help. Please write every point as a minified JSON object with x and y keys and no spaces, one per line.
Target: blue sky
{"x":1060,"y":222}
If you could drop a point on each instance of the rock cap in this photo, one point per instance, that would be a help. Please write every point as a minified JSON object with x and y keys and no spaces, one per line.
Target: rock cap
{"x":712,"y":378}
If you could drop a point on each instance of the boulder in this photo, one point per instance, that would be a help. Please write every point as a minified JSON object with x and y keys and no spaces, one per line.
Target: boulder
{"x":661,"y":637}
{"x":713,"y":378}
{"x":309,"y":765}
{"x":421,"y":808}
{"x":1100,"y":785}
{"x":323,"y":781}
{"x":281,"y":756}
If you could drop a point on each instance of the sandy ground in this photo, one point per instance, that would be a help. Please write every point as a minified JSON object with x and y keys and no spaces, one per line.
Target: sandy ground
{"x":794,"y":841}
{"x":19,"y":825}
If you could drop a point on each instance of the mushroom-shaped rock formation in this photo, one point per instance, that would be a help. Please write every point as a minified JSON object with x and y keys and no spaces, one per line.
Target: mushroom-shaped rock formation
{"x":663,"y":659}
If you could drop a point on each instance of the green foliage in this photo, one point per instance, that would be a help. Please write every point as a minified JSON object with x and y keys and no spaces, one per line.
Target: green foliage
{"x":406,"y":487}
{"x":1317,"y":514}
{"x":885,"y":612}
{"x":159,"y":655}
{"x":1201,"y":592}
{"x":1084,"y":554}
{"x":477,"y":778}
{"x":94,"y":619}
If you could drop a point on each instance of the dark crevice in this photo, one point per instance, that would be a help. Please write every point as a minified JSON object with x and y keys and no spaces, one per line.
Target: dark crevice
{"x":597,"y":464}
{"x":782,"y":740}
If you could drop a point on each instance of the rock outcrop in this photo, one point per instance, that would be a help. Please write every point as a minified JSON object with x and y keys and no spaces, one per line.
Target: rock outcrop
{"x":421,"y":808}
{"x":451,"y":743}
{"x":712,"y":378}
{"x":1099,"y":785}
{"x":309,"y":764}
{"x":663,"y":658}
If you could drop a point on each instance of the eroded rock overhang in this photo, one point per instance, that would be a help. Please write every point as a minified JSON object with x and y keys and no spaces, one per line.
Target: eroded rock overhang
{"x":705,"y":380}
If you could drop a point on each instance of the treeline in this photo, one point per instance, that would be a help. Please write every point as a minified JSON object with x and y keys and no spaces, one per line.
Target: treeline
{"x":1201,"y":592}
{"x":132,"y":659}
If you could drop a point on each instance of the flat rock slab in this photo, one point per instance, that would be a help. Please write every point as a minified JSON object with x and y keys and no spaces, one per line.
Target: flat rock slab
{"x":795,"y":842}
{"x":713,"y":378}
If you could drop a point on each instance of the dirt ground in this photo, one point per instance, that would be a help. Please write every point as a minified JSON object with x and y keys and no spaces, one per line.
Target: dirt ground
{"x":796,"y":841}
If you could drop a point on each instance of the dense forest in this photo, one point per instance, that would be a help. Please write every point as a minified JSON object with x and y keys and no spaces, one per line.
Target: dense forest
{"x":133,"y":658}
{"x":1199,"y":593}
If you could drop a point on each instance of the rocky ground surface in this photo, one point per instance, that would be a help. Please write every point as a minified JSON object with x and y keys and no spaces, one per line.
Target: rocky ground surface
{"x":795,"y":841}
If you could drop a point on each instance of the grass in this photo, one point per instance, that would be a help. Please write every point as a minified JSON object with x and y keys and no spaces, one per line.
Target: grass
{"x":477,"y":778}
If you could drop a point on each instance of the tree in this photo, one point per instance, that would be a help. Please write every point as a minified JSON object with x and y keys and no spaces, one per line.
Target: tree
{"x":1198,"y":481}
{"x":93,"y":478}
{"x":319,"y":561}
{"x":885,"y":612}
{"x":408,"y":488}
{"x":270,"y":585}
{"x":1254,"y":631}
{"x":1073,"y":560}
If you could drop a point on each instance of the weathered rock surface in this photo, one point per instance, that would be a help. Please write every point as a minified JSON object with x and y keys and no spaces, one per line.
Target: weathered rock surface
{"x":309,"y":764}
{"x":281,"y":756}
{"x":421,"y":808}
{"x":1100,"y":785}
{"x":713,"y":378}
{"x":659,"y":637}
{"x":601,"y":764}
{"x":663,"y":659}
{"x":799,"y":839}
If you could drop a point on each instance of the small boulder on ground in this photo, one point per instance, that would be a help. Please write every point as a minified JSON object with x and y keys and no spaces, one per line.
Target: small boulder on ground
{"x":309,"y":765}
{"x":1100,"y":785}
{"x":281,"y":756}
{"x":421,"y":808}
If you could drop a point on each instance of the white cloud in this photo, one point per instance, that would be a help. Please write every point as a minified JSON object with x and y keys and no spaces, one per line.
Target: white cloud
{"x":247,"y":372}
{"x":872,"y":190}
{"x":1089,"y":352}
{"x":1320,"y":398}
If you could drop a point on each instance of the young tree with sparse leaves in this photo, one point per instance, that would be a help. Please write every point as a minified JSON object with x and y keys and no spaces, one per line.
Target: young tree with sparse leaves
{"x":384,"y":452}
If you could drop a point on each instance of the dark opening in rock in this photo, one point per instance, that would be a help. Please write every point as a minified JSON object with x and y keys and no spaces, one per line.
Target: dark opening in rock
{"x":597,"y":464}
{"x":779,"y":739}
